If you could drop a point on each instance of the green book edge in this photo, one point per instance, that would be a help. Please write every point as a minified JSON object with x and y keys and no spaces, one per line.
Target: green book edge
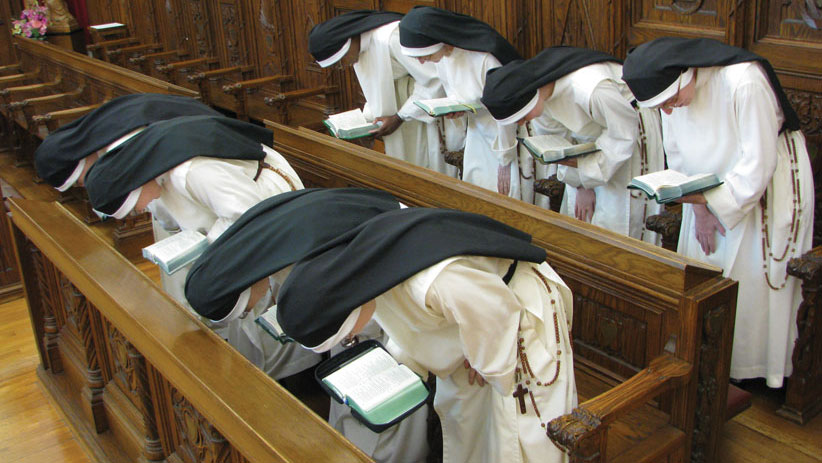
{"x":331,"y":132}
{"x":392,"y":408}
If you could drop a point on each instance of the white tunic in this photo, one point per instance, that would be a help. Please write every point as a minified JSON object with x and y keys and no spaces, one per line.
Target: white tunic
{"x":391,"y":82}
{"x":463,"y":77}
{"x":208,"y":195}
{"x":461,"y":309}
{"x":593,"y":103}
{"x":731,"y":129}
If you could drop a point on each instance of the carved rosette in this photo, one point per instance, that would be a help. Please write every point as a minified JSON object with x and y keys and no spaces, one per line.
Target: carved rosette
{"x":51,"y":330}
{"x":686,"y":6}
{"x":577,"y":434}
{"x":199,"y":440}
{"x":129,"y":369}
{"x":709,"y":356}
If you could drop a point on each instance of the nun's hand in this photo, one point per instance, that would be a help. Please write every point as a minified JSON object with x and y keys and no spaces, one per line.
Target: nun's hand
{"x":706,"y":226}
{"x":504,"y":179}
{"x":473,"y":375}
{"x":455,"y":115}
{"x":586,"y":204}
{"x":388,"y":125}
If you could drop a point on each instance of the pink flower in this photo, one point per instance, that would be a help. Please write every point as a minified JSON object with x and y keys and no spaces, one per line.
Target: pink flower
{"x":36,"y":23}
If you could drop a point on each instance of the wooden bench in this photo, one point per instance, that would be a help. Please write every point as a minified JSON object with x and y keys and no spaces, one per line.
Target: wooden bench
{"x":648,"y":324}
{"x":139,"y":377}
{"x":78,"y":84}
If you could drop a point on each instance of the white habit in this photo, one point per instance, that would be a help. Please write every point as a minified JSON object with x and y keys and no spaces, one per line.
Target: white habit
{"x":461,"y":309}
{"x":391,"y":82}
{"x":463,"y":77}
{"x":208,"y":195}
{"x":731,"y":128}
{"x":594,"y":104}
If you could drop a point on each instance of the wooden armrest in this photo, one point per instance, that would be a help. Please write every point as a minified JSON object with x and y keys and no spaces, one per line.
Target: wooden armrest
{"x":10,"y":67}
{"x":134,"y":48}
{"x":64,"y":113}
{"x":157,"y":55}
{"x":195,"y":78}
{"x":182,"y":64}
{"x":807,"y":268}
{"x":550,"y":186}
{"x":11,"y":92}
{"x":233,"y":89}
{"x":57,"y":97}
{"x":592,"y":417}
{"x":17,"y":78}
{"x":297,"y":94}
{"x":112,"y":43}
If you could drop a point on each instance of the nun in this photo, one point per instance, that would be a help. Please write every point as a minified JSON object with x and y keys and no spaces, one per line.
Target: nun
{"x":579,"y":94}
{"x":65,"y":155}
{"x":390,"y":82}
{"x":460,"y":295}
{"x":463,"y":50}
{"x":241,"y":271}
{"x":724,"y":112}
{"x":201,"y":173}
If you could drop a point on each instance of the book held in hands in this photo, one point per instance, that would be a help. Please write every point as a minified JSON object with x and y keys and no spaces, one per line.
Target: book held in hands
{"x":176,"y":251}
{"x":350,"y":125}
{"x":667,"y":185}
{"x":442,"y":106}
{"x":552,"y":148}
{"x":268,"y":321}
{"x":380,"y":391}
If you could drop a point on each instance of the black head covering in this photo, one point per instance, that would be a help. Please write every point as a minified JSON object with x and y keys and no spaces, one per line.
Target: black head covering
{"x":424,"y":26}
{"x":328,"y":37}
{"x":510,"y":87}
{"x":326,"y":286}
{"x":167,"y":144}
{"x":58,"y":155}
{"x":653,"y":66}
{"x":272,"y":235}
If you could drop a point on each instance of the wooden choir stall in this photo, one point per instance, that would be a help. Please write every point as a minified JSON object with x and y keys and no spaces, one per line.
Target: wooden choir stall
{"x":139,"y":376}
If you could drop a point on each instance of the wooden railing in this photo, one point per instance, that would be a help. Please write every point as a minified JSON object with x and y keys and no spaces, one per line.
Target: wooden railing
{"x":136,"y":374}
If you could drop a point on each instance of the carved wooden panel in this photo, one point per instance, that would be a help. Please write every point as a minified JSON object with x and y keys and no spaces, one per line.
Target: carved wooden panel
{"x":9,"y":276}
{"x":580,"y":23}
{"x":271,"y":37}
{"x":199,"y":441}
{"x":788,"y":34}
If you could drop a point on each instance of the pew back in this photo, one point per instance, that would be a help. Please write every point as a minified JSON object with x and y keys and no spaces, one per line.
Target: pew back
{"x":632,"y":301}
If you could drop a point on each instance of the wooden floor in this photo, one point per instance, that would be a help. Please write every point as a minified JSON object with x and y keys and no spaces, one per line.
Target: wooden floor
{"x":31,"y":429}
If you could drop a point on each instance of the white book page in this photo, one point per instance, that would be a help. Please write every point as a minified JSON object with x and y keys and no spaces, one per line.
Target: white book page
{"x":348,"y":120}
{"x":371,"y":378}
{"x":381,"y":387}
{"x":439,"y":102}
{"x":549,"y":142}
{"x":662,"y":178}
{"x":175,"y":245}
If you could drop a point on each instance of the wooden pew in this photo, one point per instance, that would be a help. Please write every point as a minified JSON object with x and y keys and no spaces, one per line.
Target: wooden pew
{"x":97,"y":81}
{"x":648,"y":324}
{"x":139,"y":377}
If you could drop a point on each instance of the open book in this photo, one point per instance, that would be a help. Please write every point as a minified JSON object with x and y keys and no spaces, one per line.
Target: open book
{"x":380,"y":391}
{"x":176,"y":251}
{"x":552,"y":148}
{"x":349,"y":125}
{"x":442,"y":106}
{"x":668,"y":185}
{"x":268,"y":321}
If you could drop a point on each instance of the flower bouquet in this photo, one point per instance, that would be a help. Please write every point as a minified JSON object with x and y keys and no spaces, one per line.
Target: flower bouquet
{"x":33,"y":23}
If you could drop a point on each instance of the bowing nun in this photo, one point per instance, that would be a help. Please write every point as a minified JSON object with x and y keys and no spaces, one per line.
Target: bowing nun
{"x":65,"y":156}
{"x":201,"y":173}
{"x":724,"y":112}
{"x":579,"y":94}
{"x":464,"y":49}
{"x":390,"y":82}
{"x":462,"y":296}
{"x":257,"y":252}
